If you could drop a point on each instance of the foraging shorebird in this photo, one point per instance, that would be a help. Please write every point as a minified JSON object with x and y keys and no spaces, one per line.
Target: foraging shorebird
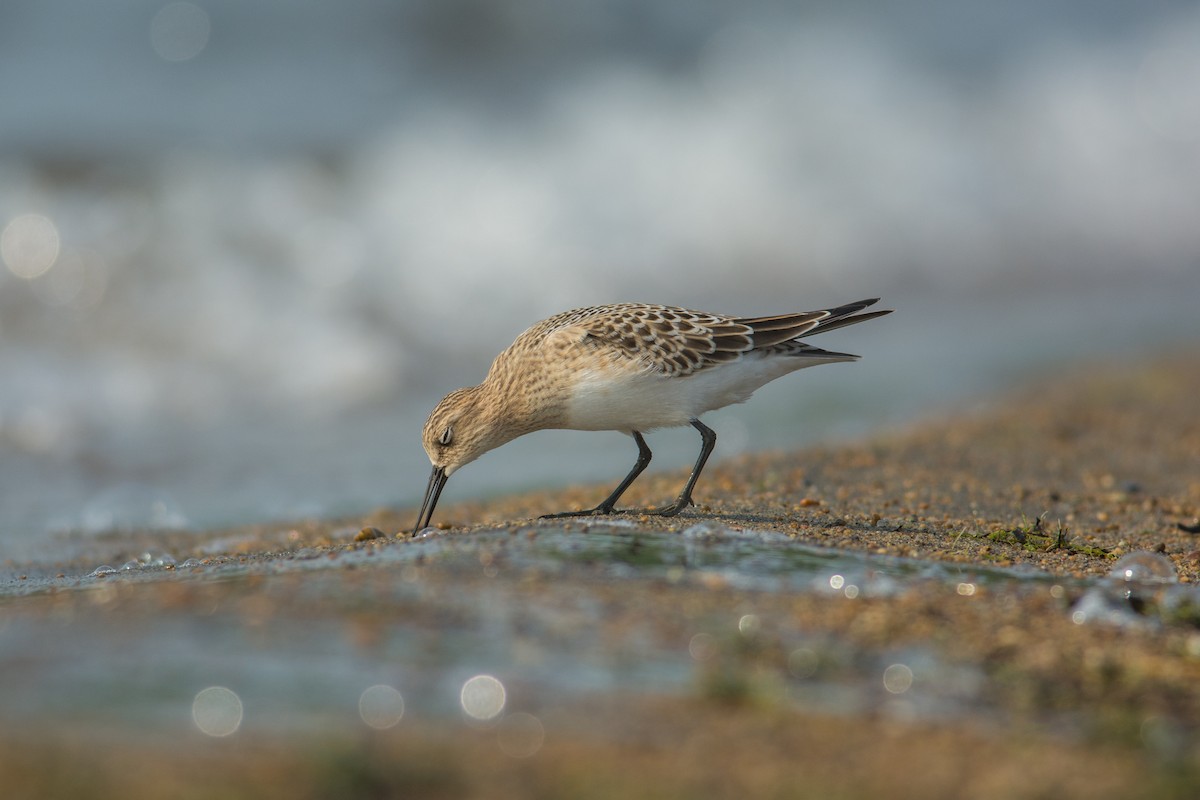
{"x":628,"y":367}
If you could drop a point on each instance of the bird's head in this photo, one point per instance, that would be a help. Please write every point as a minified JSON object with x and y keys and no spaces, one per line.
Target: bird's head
{"x":458,"y":431}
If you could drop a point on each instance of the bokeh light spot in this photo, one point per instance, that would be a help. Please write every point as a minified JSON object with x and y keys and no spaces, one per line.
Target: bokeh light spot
{"x":29,"y":245}
{"x":217,"y":711}
{"x":702,"y":647}
{"x":898,"y":678}
{"x":803,"y":662}
{"x":179,"y":31}
{"x":381,"y":707}
{"x":482,"y":697}
{"x":77,"y":281}
{"x":520,"y":735}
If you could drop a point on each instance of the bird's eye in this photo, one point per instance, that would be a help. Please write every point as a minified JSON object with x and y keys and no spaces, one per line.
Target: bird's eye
{"x":447,"y":436}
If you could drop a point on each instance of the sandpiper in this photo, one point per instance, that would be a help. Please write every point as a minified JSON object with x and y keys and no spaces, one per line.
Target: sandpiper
{"x":628,"y":367}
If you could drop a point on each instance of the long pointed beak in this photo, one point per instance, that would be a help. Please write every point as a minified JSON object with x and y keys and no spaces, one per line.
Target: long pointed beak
{"x":437,"y":480}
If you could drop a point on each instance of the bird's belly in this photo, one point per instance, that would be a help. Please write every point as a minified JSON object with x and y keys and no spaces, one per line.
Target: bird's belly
{"x":642,"y":401}
{"x":631,"y":403}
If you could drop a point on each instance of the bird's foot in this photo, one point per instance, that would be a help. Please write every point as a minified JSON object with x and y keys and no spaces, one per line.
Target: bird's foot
{"x":665,"y":511}
{"x":598,"y":511}
{"x":605,"y":510}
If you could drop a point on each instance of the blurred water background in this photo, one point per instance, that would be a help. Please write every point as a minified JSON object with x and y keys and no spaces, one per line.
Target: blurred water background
{"x":244,"y":247}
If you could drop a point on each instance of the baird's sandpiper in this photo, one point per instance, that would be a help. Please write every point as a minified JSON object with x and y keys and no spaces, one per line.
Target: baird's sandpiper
{"x":628,"y":367}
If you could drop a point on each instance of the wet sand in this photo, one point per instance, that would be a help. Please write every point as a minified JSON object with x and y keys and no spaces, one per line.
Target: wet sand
{"x":1054,"y":482}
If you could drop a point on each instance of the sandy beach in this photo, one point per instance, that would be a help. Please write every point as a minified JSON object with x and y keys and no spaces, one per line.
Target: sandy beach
{"x":982,"y":653}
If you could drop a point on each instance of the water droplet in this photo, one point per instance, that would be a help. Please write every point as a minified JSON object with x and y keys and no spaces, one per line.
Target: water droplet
{"x":1108,"y":604}
{"x":705,"y":530}
{"x":101,"y":571}
{"x":1144,"y":567}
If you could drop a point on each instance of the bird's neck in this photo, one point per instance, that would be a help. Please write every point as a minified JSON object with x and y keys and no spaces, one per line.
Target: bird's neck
{"x":521,"y":400}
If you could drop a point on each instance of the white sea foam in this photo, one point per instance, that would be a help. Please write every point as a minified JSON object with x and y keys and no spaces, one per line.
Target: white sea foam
{"x":254,"y":333}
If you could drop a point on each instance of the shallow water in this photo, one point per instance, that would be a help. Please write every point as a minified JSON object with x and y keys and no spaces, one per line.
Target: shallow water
{"x":213,"y":314}
{"x":549,"y":616}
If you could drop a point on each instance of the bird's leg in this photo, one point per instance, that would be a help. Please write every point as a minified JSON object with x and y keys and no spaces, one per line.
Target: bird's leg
{"x":685,"y":497}
{"x":610,"y":502}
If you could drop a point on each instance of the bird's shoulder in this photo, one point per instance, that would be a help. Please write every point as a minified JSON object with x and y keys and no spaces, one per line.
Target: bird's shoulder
{"x":667,"y":339}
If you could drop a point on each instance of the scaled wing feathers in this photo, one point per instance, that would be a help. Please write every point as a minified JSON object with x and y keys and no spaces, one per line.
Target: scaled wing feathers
{"x":679,"y":342}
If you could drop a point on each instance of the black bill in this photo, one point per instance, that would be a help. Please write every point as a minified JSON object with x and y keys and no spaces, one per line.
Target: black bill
{"x":437,"y":480}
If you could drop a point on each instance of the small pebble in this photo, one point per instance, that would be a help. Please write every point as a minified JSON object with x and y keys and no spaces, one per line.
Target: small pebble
{"x":368,"y":533}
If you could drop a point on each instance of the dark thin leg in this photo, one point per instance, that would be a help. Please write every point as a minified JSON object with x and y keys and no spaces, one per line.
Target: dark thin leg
{"x":685,"y":497}
{"x":610,"y":502}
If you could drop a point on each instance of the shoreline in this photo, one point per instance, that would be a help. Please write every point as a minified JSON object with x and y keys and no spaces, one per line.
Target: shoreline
{"x":1058,"y":480}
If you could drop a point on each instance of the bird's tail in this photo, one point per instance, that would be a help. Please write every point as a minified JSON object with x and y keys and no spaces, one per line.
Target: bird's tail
{"x":848,"y":314}
{"x":826,"y":320}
